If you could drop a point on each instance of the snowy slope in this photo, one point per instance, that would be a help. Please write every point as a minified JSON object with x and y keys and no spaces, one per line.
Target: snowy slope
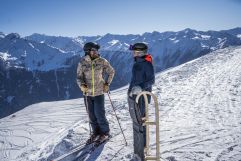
{"x":200,"y":117}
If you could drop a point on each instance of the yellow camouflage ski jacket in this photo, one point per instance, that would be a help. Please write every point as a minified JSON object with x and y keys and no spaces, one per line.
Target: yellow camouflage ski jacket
{"x":91,"y":73}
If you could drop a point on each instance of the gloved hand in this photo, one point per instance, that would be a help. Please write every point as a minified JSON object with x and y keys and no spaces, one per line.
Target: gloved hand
{"x":135,"y":91}
{"x":105,"y":87}
{"x":84,"y":88}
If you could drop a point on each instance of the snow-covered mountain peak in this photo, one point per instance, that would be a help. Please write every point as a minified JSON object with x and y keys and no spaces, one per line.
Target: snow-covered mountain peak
{"x":189,"y":30}
{"x":64,"y":44}
{"x":12,"y":36}
{"x":2,"y":35}
{"x":4,"y":56}
{"x":31,"y":55}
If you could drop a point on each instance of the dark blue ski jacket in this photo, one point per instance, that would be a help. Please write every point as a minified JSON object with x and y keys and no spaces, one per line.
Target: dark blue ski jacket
{"x":142,"y":73}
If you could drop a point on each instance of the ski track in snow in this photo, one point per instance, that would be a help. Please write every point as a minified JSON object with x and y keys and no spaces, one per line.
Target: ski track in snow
{"x":200,"y":118}
{"x":200,"y":114}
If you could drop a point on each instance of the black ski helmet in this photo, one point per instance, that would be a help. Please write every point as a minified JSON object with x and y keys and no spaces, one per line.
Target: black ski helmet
{"x":139,"y":47}
{"x":89,"y":45}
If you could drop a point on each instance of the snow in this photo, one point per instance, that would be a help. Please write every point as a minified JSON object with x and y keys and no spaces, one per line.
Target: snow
{"x":196,"y":38}
{"x":7,"y":57}
{"x":4,"y":56}
{"x":200,"y":118}
{"x":205,"y":37}
{"x":61,"y":51}
{"x":239,"y":36}
{"x":204,"y":46}
{"x":201,"y":101}
{"x":176,"y":41}
{"x":25,"y":54}
{"x":172,"y":39}
{"x":113,"y":42}
{"x":2,"y":35}
{"x":80,"y":40}
{"x":31,"y":45}
{"x":127,"y":45}
{"x":99,"y":38}
{"x":32,"y":55}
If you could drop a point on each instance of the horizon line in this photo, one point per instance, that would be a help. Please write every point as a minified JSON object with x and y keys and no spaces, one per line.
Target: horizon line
{"x":44,"y":34}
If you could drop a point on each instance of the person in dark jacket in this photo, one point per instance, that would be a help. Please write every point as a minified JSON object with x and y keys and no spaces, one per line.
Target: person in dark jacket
{"x":143,"y":75}
{"x":142,"y":79}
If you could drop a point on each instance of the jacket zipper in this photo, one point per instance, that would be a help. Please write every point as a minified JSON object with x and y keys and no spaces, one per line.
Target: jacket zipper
{"x":93,"y":79}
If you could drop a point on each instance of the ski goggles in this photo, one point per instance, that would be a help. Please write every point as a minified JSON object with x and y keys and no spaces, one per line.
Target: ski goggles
{"x":138,"y":47}
{"x":134,"y":49}
{"x":94,"y":49}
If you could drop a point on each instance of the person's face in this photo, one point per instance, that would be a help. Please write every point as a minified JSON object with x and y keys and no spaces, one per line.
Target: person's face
{"x":136,"y":53}
{"x":94,"y":53}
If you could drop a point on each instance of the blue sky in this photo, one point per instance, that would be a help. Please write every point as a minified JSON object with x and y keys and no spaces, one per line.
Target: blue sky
{"x":98,"y":17}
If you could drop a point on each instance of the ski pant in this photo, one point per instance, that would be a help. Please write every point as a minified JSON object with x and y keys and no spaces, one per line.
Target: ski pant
{"x":139,"y":131}
{"x":96,"y":111}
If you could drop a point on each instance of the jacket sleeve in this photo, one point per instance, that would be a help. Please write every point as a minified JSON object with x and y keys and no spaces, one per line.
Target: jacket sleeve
{"x":137,"y":79}
{"x":149,"y":76}
{"x":80,"y":75}
{"x":109,"y":70}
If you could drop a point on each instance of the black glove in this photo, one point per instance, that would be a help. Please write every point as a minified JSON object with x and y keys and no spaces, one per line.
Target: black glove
{"x":106,"y":88}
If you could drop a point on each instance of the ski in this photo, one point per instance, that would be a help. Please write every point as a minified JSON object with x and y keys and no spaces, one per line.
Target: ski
{"x":82,"y":150}
{"x":89,"y":151}
{"x":78,"y":148}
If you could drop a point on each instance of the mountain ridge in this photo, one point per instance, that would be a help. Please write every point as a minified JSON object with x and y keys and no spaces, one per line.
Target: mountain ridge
{"x":48,"y":63}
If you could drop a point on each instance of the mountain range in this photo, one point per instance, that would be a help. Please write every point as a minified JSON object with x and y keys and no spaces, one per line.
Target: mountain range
{"x":41,"y":68}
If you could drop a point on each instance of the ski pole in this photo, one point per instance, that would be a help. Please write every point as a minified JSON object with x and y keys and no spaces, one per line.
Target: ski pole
{"x":87,"y":109}
{"x":116,"y":117}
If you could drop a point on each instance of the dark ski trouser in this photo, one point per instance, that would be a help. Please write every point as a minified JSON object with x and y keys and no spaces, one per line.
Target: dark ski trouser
{"x":96,"y":111}
{"x":139,"y":131}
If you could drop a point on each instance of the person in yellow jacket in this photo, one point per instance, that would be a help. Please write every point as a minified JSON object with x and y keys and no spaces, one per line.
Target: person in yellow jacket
{"x":90,"y":78}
